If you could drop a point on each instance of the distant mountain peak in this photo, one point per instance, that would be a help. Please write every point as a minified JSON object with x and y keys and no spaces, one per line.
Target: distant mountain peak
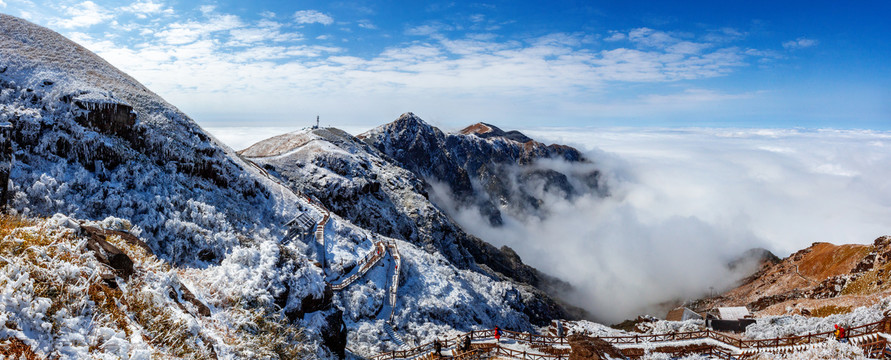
{"x":485,"y":130}
{"x":410,"y":120}
{"x":409,"y":116}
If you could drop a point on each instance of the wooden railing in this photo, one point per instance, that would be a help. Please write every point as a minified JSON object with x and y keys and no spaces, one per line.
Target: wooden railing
{"x":754,"y":344}
{"x":363,"y":265}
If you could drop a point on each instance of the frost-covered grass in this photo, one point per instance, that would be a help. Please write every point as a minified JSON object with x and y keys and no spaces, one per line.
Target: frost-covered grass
{"x":830,"y":350}
{"x":661,"y":356}
{"x":54,"y":303}
{"x":784,"y":326}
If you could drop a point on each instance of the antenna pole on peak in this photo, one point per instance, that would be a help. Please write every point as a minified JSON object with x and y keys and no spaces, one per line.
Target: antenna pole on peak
{"x":317,"y":122}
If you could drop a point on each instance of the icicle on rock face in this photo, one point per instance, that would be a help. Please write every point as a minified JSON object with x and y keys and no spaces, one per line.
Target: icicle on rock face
{"x":106,"y":117}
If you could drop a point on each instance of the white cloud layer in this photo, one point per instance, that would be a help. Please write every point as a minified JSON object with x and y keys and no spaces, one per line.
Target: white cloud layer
{"x":312,"y":16}
{"x":685,"y":202}
{"x":83,"y":14}
{"x":263,"y":67}
{"x":143,"y":9}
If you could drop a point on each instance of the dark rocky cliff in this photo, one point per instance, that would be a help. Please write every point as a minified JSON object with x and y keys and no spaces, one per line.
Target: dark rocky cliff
{"x":486,"y":167}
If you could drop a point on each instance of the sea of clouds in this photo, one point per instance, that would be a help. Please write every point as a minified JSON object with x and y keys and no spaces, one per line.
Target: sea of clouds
{"x":683,"y":203}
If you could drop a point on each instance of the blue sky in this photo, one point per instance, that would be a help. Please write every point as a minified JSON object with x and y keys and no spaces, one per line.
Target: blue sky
{"x":517,"y":64}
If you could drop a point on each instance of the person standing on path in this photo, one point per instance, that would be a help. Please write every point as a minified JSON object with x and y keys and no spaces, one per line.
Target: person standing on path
{"x":497,"y":334}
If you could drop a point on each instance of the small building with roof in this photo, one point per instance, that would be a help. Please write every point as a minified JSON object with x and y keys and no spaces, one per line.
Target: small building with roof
{"x":733,"y":313}
{"x":734,"y":318}
{"x":301,"y":227}
{"x":682,"y":313}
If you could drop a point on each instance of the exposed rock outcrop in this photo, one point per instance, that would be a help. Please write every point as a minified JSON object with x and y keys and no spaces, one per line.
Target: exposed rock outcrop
{"x":334,"y":334}
{"x":484,"y":166}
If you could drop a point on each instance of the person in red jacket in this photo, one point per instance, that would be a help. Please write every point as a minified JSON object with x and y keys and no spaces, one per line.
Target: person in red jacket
{"x":497,"y":334}
{"x":840,"y":333}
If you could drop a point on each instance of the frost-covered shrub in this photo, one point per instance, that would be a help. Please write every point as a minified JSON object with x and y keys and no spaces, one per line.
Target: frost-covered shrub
{"x":782,"y":326}
{"x":661,"y":356}
{"x":830,"y":350}
{"x":54,"y":303}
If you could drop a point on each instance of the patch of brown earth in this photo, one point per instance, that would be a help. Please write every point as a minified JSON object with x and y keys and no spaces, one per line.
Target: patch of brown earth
{"x":823,"y":278}
{"x":588,"y":348}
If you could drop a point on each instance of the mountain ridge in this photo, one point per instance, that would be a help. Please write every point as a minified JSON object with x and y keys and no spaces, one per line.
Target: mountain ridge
{"x":361,"y":184}
{"x":814,"y":279}
{"x":482,"y":172}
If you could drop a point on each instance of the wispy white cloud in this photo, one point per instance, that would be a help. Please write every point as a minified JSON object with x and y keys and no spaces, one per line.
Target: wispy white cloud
{"x":800,"y":43}
{"x":265,"y":31}
{"x":2,"y":4}
{"x":143,"y":9}
{"x":83,"y":14}
{"x":725,"y":34}
{"x":188,"y":32}
{"x":652,"y":38}
{"x":615,"y":36}
{"x":192,"y":61}
{"x":312,"y":17}
{"x":427,"y":29}
{"x":367,"y":24}
{"x":690,"y":97}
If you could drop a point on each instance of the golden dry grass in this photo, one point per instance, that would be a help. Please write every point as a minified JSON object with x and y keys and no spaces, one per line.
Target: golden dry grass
{"x":828,"y":310}
{"x":267,"y":335}
{"x":15,"y":349}
{"x":871,"y":282}
{"x":165,"y":329}
{"x":826,"y":260}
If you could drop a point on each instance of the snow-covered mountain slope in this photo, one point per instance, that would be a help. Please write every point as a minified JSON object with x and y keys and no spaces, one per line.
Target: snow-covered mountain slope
{"x":486,"y":167}
{"x":92,"y":143}
{"x":357,"y":182}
